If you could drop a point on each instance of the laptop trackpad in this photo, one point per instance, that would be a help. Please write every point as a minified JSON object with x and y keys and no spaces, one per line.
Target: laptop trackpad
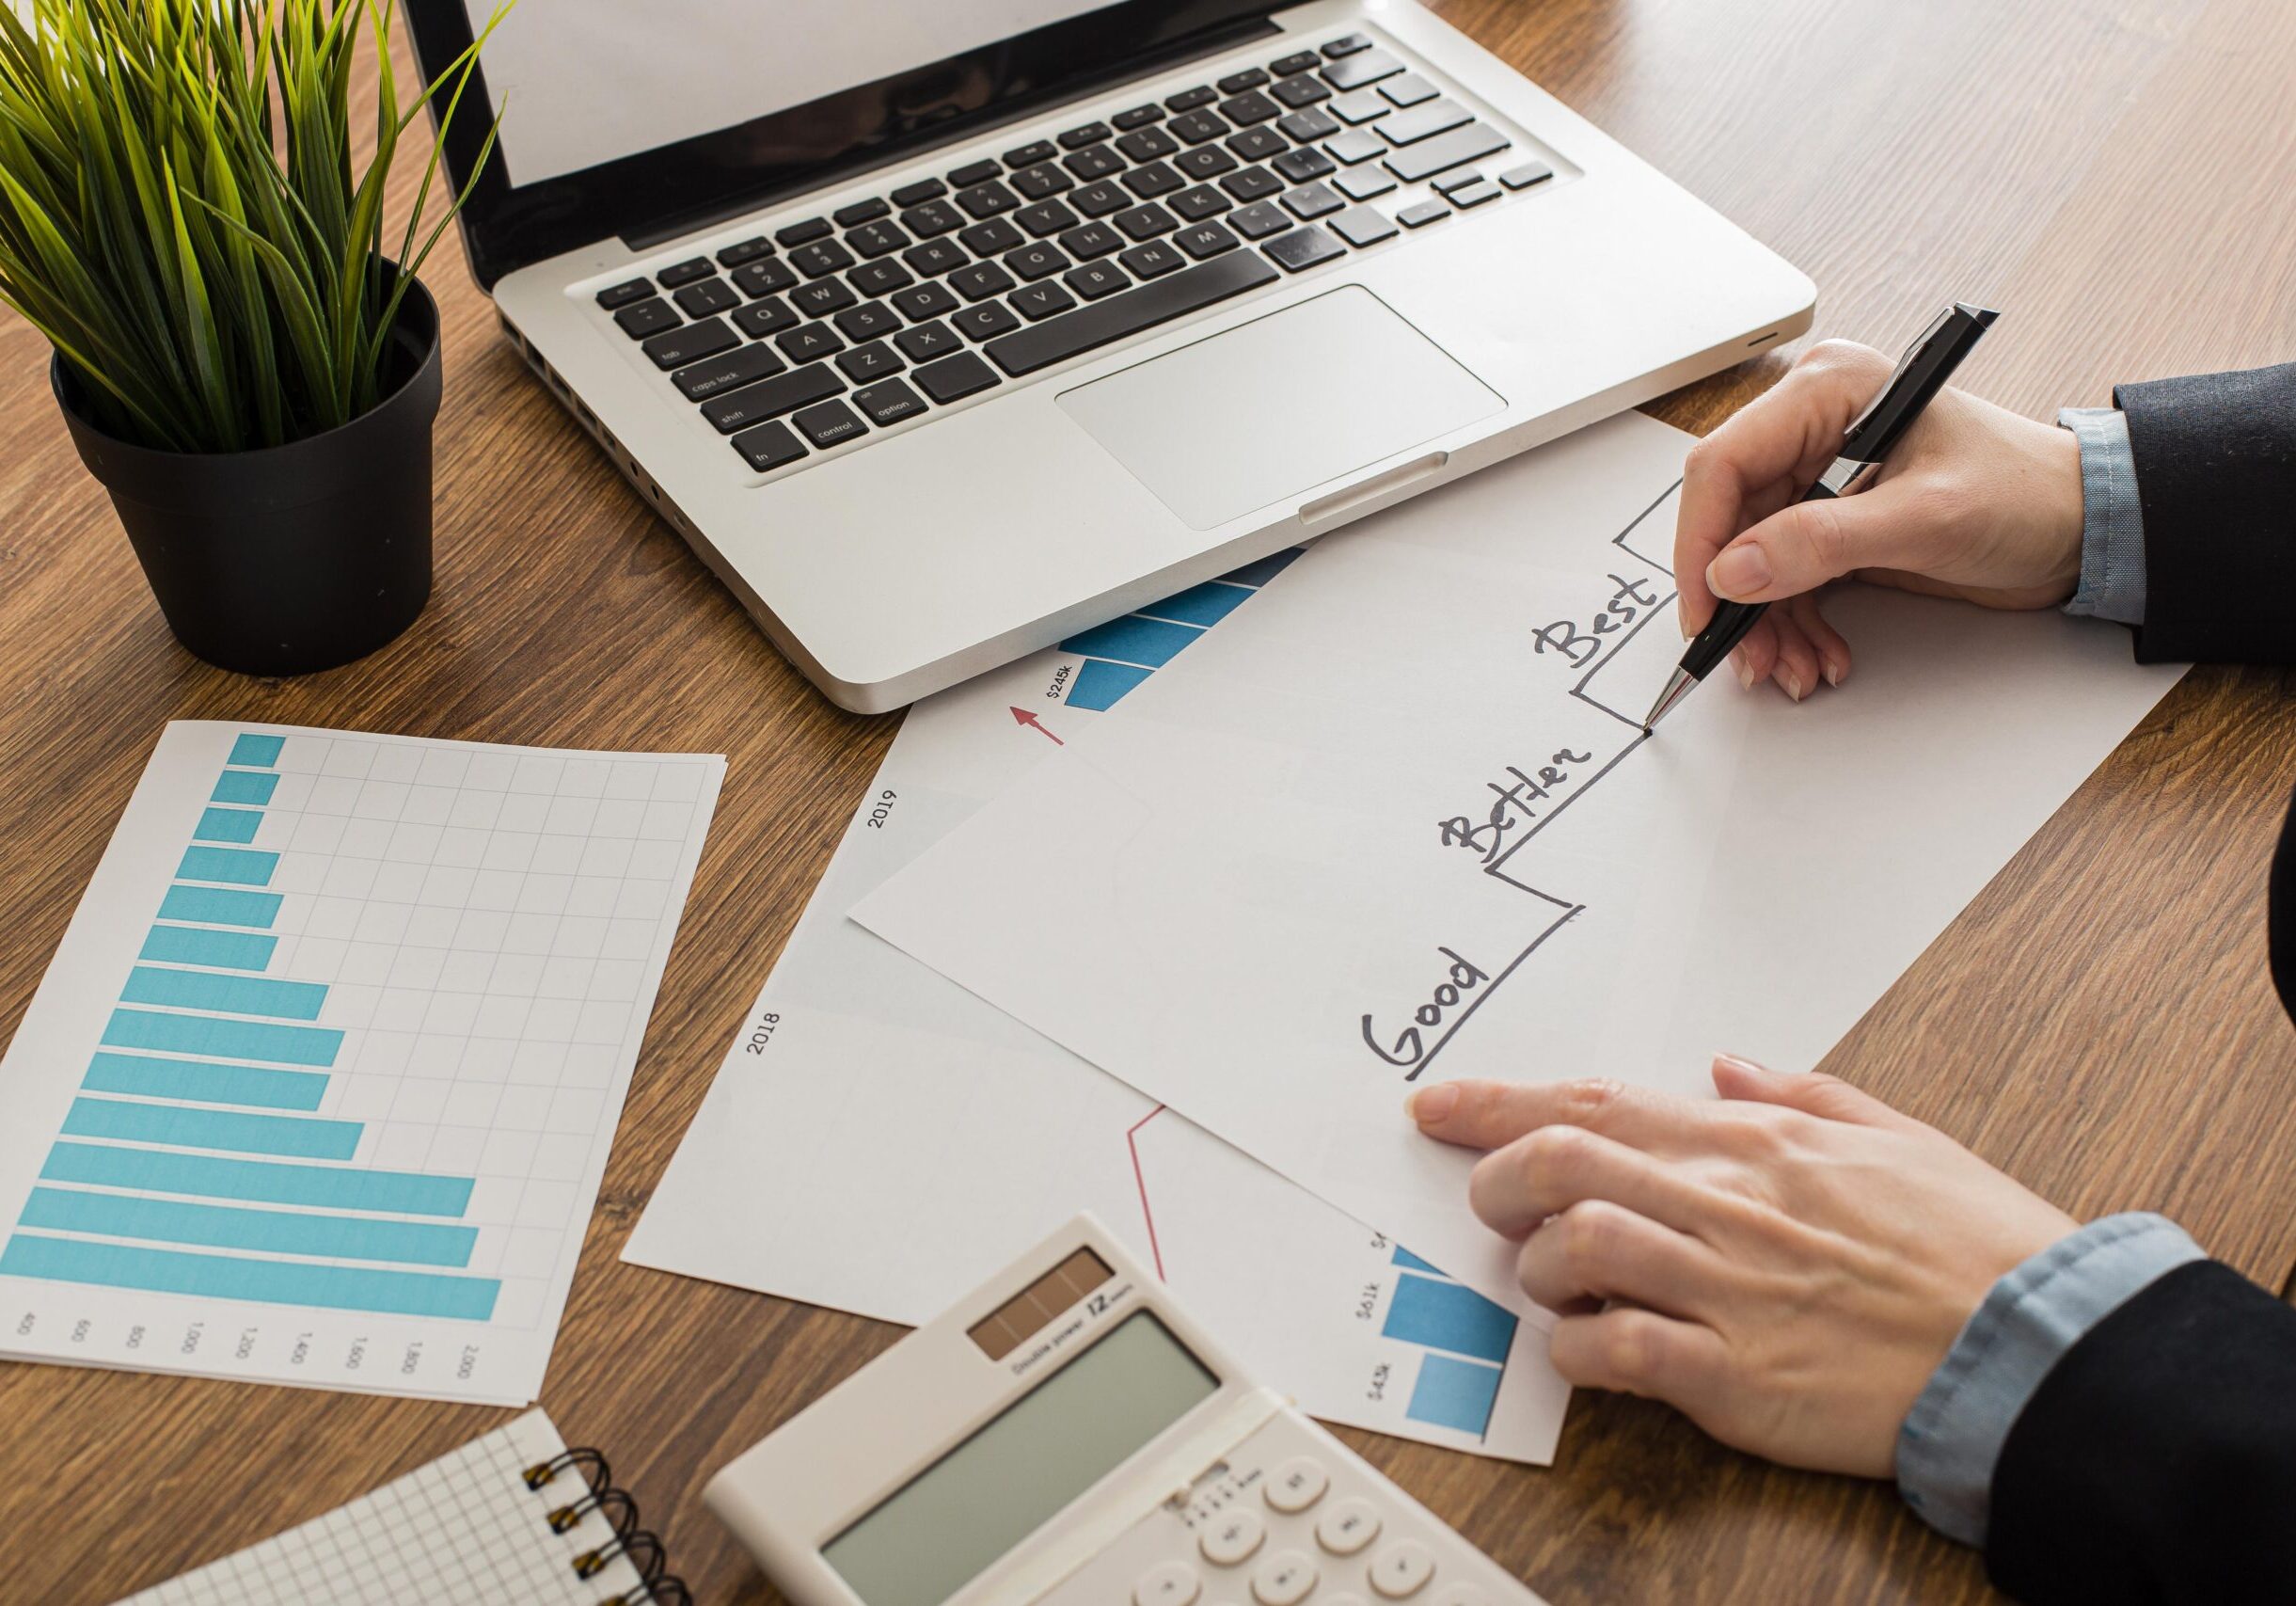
{"x":1278,"y":405}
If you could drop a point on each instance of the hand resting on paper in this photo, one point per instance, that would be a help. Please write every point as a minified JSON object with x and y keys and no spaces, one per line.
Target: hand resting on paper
{"x":1977,"y":503}
{"x":1786,"y":1266}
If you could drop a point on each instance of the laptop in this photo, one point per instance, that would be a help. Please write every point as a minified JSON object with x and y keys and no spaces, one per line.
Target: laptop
{"x":947,"y":330}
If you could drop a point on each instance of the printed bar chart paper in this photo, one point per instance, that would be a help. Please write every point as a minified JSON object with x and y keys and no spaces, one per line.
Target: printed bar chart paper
{"x":1407,"y":827}
{"x":319,"y":1087}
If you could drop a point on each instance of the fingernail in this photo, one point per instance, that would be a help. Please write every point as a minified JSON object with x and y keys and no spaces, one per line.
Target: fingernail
{"x":1738,"y":1062}
{"x":1428,"y":1106}
{"x":1746,"y":671}
{"x":1792,"y":682}
{"x":1739,"y":572}
{"x":1833,"y":673}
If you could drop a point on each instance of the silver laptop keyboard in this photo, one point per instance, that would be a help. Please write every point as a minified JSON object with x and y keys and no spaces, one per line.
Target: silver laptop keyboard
{"x":808,"y":339}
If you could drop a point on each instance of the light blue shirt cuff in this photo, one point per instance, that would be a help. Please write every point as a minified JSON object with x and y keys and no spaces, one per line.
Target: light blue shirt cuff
{"x":2112,"y":524}
{"x":1952,"y":1438}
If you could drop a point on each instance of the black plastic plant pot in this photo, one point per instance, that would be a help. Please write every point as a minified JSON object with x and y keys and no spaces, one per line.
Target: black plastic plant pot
{"x":286,"y":558}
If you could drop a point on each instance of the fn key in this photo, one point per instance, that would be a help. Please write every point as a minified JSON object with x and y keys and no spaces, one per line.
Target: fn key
{"x":770,"y":445}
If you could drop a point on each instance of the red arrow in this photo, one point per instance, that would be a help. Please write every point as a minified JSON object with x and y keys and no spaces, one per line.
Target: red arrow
{"x":1028,"y":717}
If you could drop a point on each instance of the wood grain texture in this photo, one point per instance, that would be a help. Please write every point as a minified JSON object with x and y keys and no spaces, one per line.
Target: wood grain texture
{"x":2113,"y":172}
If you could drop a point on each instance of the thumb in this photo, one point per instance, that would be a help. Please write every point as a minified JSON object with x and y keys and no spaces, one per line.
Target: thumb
{"x":1811,"y":1093}
{"x":1802,"y":547}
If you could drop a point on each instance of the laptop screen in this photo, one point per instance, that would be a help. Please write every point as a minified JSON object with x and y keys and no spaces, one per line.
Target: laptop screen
{"x":589,"y":81}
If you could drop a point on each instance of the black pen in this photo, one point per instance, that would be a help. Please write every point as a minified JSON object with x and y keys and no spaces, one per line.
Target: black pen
{"x":1921,"y":374}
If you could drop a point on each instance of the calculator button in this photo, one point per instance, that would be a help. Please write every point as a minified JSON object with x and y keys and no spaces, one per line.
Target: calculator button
{"x":1285,"y":1580}
{"x":1297,"y":1484}
{"x":1169,"y":1583}
{"x":1348,"y":1527}
{"x":1402,"y":1569}
{"x":1459,"y":1594}
{"x":1233,"y":1537}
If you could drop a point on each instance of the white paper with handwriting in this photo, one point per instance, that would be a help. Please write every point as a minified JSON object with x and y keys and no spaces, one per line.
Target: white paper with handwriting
{"x":1401,"y":824}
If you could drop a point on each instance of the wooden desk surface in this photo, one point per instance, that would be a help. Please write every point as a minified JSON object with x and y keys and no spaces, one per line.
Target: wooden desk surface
{"x":2115,"y":173}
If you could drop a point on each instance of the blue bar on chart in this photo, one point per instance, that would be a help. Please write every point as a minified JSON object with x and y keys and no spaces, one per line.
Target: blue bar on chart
{"x":197,"y":945}
{"x":1149,"y":643}
{"x":219,"y":906}
{"x":240,"y":866}
{"x":269,"y":1231}
{"x":225,"y":1040}
{"x":257,"y":751}
{"x":249,"y":786}
{"x":1099,"y":684}
{"x":227,"y":995}
{"x":258,"y":1182}
{"x":1449,"y":1316}
{"x":190,"y":1126}
{"x":1203,"y":606}
{"x":1409,"y":1262}
{"x":204,"y":1081}
{"x":227,"y":825}
{"x":1455,"y":1393}
{"x":1119,"y":655}
{"x":231,"y":1277}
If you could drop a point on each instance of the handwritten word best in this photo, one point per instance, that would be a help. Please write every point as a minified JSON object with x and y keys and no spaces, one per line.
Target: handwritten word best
{"x":1578,"y":644}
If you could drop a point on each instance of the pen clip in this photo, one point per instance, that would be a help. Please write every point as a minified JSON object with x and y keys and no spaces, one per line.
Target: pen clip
{"x":1904,"y":362}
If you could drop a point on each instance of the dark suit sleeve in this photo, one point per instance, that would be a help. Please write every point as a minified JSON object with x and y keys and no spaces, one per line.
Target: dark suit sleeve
{"x":2157,"y":1461}
{"x":2216,"y":484}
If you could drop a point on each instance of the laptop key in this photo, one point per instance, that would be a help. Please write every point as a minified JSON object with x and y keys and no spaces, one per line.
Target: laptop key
{"x":972,"y":173}
{"x":1194,"y":128}
{"x":768,"y":447}
{"x":1408,"y":90}
{"x":866,"y":321}
{"x":888,"y":402}
{"x":1346,"y":44}
{"x":798,"y":234}
{"x":1037,"y":261}
{"x":1362,"y":183}
{"x":880,"y":278}
{"x":925,"y":301}
{"x":1431,"y":156}
{"x":1090,"y":241}
{"x":1093,"y":162}
{"x":699,"y":381}
{"x":809,"y":344}
{"x":1419,"y":214}
{"x":1038,"y":302}
{"x":629,"y":290}
{"x":1256,"y":143}
{"x":1303,"y":249}
{"x":1303,"y":90}
{"x":1310,"y":125}
{"x":1355,"y":144}
{"x":1201,"y":202}
{"x":874,"y":361}
{"x":1188,"y":100}
{"x":1028,"y":155}
{"x":1148,"y":144}
{"x":1045,"y":217}
{"x":712,"y":294}
{"x":875,"y":239}
{"x":1252,"y":183}
{"x":986,"y":321}
{"x":1424,"y":121}
{"x":1302,"y":165}
{"x":1202,"y":240}
{"x":928,"y":218}
{"x":1092,"y":281}
{"x":1450,"y":182}
{"x":1260,"y":219}
{"x":1155,"y":178}
{"x":1158,"y":301}
{"x":922,"y":190}
{"x":742,"y":251}
{"x":990,"y":238}
{"x":686,"y":272}
{"x":926,"y":342}
{"x":1250,"y":78}
{"x":1143,"y":221}
{"x":1475,"y":194}
{"x":764,"y":278}
{"x":1298,"y":61}
{"x":954,"y":378}
{"x":1152,"y":260}
{"x":987,"y":201}
{"x":648,"y":317}
{"x":1205,"y":162}
{"x":827,"y":424}
{"x":1090,"y":134}
{"x":767,"y":317}
{"x":1359,"y":107}
{"x":1530,"y":173}
{"x":822,"y":297}
{"x":1361,"y":226}
{"x":820,"y":259}
{"x":934,"y":257}
{"x":1099,"y":198}
{"x":1139,"y":117}
{"x":1311,"y":200}
{"x":1248,"y":109}
{"x":674,"y":348}
{"x":1044,"y":178}
{"x":771,"y":398}
{"x":980,"y":282}
{"x":1359,"y":67}
{"x":860,"y":211}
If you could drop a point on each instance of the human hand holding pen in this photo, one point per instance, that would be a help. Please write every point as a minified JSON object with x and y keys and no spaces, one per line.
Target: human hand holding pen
{"x":1976,"y":503}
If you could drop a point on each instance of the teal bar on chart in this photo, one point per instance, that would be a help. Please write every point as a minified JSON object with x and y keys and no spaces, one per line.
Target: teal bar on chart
{"x":258,"y":1182}
{"x":195,"y":945}
{"x":227,"y":825}
{"x":1449,"y":1315}
{"x":1455,"y":1393}
{"x":218,"y":906}
{"x":266,"y":1232}
{"x":157,"y":1076}
{"x":260,"y":752}
{"x":223,"y":1040}
{"x":235,"y":1277}
{"x":250,"y":787}
{"x":231,"y":995}
{"x":240,"y":867}
{"x":189,"y":1126}
{"x":1409,"y":1262}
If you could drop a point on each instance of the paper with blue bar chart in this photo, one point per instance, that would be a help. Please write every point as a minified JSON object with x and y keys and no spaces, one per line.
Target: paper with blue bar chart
{"x":319,"y":1086}
{"x":861,"y":1083}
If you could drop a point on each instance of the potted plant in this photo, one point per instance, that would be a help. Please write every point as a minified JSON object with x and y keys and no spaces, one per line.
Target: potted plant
{"x":239,"y":361}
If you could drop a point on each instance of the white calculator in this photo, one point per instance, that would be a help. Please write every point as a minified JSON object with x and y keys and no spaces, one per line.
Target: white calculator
{"x":1067,"y":1436}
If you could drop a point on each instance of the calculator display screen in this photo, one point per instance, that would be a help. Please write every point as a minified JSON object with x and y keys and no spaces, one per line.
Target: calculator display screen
{"x":946,"y":1525}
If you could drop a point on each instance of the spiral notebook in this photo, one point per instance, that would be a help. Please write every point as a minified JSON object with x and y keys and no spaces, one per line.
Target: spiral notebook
{"x":515,"y":1517}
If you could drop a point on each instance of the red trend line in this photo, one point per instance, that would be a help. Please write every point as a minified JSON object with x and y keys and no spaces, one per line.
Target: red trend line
{"x":1140,"y":1181}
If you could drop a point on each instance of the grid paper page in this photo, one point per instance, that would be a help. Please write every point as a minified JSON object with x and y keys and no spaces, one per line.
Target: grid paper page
{"x":466,"y":1527}
{"x":319,"y":1085}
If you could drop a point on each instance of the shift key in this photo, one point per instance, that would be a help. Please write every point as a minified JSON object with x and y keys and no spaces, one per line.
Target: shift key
{"x":771,"y":398}
{"x":1431,"y":156}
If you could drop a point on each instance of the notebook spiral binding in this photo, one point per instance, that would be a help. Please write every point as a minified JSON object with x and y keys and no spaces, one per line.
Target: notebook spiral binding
{"x":658,"y":1585}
